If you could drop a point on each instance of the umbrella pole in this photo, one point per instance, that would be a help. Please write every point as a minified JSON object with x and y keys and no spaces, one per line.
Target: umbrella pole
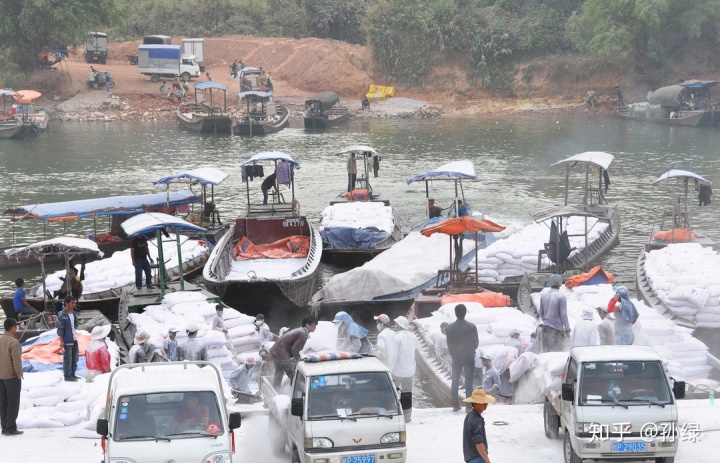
{"x":180,"y":262}
{"x":476,"y":261}
{"x":161,"y":263}
{"x":44,"y":284}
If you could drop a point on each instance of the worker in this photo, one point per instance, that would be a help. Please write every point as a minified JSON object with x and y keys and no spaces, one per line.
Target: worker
{"x":351,"y":336}
{"x":384,"y":338}
{"x":402,"y":360}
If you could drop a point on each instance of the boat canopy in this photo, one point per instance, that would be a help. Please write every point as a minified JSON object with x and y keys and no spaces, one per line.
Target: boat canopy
{"x":7,"y":92}
{"x":357,"y":149}
{"x":271,"y":156}
{"x":153,"y":221}
{"x":451,"y":170}
{"x":551,"y":212}
{"x":59,"y":245}
{"x":667,"y":96}
{"x":26,"y":96}
{"x":73,"y":210}
{"x":323,"y":101}
{"x":599,"y":158}
{"x":203,"y":176}
{"x":699,"y":83}
{"x":206,"y":84}
{"x":460,"y":225}
{"x":681,"y":174}
{"x":254,"y":95}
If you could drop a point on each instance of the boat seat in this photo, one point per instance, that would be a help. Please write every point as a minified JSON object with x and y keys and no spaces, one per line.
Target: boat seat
{"x":277,"y":196}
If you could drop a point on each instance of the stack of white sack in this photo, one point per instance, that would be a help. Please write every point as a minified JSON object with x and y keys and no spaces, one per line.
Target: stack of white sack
{"x":518,"y":253}
{"x":358,"y":214}
{"x":117,"y":270}
{"x":685,"y":277}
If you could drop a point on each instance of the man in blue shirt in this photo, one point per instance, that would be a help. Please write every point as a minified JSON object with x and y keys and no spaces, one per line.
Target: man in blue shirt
{"x":22,"y":306}
{"x":462,"y":208}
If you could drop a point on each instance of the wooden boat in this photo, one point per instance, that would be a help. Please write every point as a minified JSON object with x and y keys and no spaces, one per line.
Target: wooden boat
{"x":344,"y":242}
{"x":25,"y":121}
{"x":202,"y":117}
{"x":685,"y":104}
{"x":14,"y":129}
{"x":675,"y":224}
{"x":323,"y":110}
{"x":264,"y":224}
{"x":265,"y":118}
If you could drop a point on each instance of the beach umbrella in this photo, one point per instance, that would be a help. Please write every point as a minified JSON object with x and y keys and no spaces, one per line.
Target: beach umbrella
{"x":460,"y":225}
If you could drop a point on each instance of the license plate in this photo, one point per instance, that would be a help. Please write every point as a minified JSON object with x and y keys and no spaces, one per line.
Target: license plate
{"x":628,"y":447}
{"x":359,"y":459}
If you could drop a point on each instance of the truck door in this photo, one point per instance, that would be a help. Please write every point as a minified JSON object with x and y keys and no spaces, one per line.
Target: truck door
{"x":568,"y":408}
{"x":295,"y":423}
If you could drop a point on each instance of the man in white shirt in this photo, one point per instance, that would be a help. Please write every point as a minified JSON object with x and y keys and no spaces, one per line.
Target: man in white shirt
{"x":585,"y":332}
{"x":384,"y":338}
{"x":402,"y":358}
{"x":606,"y":328}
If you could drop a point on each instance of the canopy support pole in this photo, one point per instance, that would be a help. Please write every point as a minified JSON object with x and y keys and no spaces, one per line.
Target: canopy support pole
{"x":161,"y":263}
{"x":180,"y":261}
{"x":42,"y":272}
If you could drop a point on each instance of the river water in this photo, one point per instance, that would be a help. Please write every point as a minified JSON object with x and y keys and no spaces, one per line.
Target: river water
{"x":512,"y":155}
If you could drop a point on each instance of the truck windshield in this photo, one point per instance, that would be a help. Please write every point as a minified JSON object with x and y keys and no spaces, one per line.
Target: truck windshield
{"x":167,"y":415}
{"x":626,"y":383}
{"x":356,"y":395}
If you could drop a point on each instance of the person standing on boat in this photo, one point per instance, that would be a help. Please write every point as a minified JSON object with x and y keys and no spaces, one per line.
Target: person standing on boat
{"x":625,"y":316}
{"x":21,"y":305}
{"x":433,"y":210}
{"x":267,"y":185}
{"x":462,"y":340}
{"x":553,"y":314}
{"x":66,"y":323}
{"x":351,"y":336}
{"x":704,"y":194}
{"x":384,"y":339}
{"x":170,"y":346}
{"x":352,"y":172}
{"x":286,"y":351}
{"x":138,"y":352}
{"x":97,"y":356}
{"x":606,"y":330}
{"x":402,"y":359}
{"x":192,"y":349}
{"x":514,"y":341}
{"x":462,"y":209}
{"x":585,"y":332}
{"x":491,"y":377}
{"x":140,"y":255}
{"x":621,"y":97}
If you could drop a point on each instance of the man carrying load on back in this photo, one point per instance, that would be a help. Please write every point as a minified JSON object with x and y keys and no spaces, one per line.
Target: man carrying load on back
{"x":553,"y":313}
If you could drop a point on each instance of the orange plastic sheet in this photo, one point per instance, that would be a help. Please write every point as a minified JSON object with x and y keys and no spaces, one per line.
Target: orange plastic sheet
{"x":676,"y":235}
{"x":286,"y":248}
{"x":486,"y":298}
{"x":53,"y":351}
{"x":357,"y":195}
{"x":460,"y":225}
{"x":577,"y":280}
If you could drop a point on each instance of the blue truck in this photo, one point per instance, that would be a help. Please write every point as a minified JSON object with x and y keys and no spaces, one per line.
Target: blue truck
{"x":166,"y":61}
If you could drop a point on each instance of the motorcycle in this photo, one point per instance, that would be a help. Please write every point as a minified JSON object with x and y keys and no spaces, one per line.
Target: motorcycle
{"x":99,"y":82}
{"x":235,"y":69}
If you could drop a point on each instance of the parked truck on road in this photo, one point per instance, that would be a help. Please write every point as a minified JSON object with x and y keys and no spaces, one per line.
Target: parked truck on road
{"x":196,"y":48}
{"x":345,"y":410}
{"x":158,"y":61}
{"x":96,"y":48}
{"x":160,"y":412}
{"x":616,"y":403}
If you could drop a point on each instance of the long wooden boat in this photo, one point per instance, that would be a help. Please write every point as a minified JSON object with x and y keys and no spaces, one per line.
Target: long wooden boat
{"x":264,"y":118}
{"x":14,"y":129}
{"x":203,"y":117}
{"x":323,"y":110}
{"x":691,"y":118}
{"x":264,"y":224}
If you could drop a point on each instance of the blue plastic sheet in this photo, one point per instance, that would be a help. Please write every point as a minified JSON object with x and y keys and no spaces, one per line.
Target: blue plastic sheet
{"x":353,"y":238}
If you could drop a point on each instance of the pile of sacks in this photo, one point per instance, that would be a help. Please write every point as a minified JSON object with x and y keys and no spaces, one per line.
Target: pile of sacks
{"x":518,"y":253}
{"x":684,"y":277}
{"x":358,"y":214}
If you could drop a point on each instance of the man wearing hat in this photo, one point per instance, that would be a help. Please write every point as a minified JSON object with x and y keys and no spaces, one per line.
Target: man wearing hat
{"x":514,"y":341}
{"x":553,"y":314}
{"x":170,"y":345}
{"x":475,"y":445}
{"x":491,"y":377}
{"x":97,"y":356}
{"x":192,"y":349}
{"x":402,"y":358}
{"x":384,"y":337}
{"x":606,"y":329}
{"x":585,"y":332}
{"x":137,"y":352}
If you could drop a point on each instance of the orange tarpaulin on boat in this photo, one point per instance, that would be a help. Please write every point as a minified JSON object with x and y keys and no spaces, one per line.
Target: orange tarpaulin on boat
{"x":53,"y":351}
{"x":26,"y":96}
{"x":577,"y":280}
{"x":676,"y":235}
{"x":486,"y":298}
{"x":286,"y":248}
{"x":460,"y":225}
{"x":357,"y":195}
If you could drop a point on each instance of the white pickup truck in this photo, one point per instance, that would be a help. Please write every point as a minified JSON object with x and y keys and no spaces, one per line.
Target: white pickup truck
{"x":162,"y":412}
{"x":338,"y":411}
{"x":616,"y":403}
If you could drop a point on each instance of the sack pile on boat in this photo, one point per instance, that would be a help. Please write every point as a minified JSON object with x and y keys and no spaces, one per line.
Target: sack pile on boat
{"x":117,"y":270}
{"x":518,"y":253}
{"x":688,"y":290}
{"x":356,"y":224}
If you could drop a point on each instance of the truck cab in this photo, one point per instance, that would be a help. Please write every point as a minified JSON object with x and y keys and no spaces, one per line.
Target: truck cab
{"x":339,"y":410}
{"x":616,"y":403}
{"x":160,"y":412}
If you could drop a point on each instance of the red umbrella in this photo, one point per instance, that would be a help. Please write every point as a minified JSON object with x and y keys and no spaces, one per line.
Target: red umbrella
{"x":461,"y":225}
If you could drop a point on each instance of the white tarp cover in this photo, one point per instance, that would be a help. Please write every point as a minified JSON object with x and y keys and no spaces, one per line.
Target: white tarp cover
{"x":455,"y":169}
{"x":204,"y":175}
{"x":271,"y":156}
{"x":599,"y":158}
{"x":675,"y":173}
{"x":356,"y":149}
{"x":60,"y":244}
{"x":152,"y":221}
{"x":406,"y":265}
{"x":358,"y":214}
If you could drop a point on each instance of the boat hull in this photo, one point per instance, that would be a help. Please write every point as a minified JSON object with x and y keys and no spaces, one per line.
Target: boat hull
{"x":685,"y":118}
{"x":326,"y":122}
{"x":218,"y":124}
{"x":14,"y":131}
{"x":254,"y":127}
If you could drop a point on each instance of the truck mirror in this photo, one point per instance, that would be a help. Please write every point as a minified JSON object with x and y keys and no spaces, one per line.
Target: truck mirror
{"x":102,"y":427}
{"x":679,"y":389}
{"x":234,"y":420}
{"x":296,"y":407}
{"x":568,"y":391}
{"x":406,"y":400}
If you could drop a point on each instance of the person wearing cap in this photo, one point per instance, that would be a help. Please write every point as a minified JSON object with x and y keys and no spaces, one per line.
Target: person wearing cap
{"x":97,"y":356}
{"x":491,"y":377}
{"x":286,"y":351}
{"x":462,"y":341}
{"x":138,"y":352}
{"x":514,"y":341}
{"x":433,"y":210}
{"x":402,"y":358}
{"x":11,"y":374}
{"x":553,"y":315}
{"x":192,"y":349}
{"x":66,"y":323}
{"x":240,"y":378}
{"x":170,"y":345}
{"x":606,"y":330}
{"x":264,"y":333}
{"x":475,"y":445}
{"x":218,"y":324}
{"x":585,"y":332}
{"x":351,"y":336}
{"x":626,"y":315}
{"x":384,"y":338}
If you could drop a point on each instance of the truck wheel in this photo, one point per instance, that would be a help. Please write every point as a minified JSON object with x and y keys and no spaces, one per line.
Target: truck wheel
{"x":277,"y":440}
{"x":665,"y":460}
{"x":551,"y":420}
{"x":154,"y":78}
{"x":568,"y":451}
{"x":112,"y":83}
{"x":185,"y":76}
{"x":295,"y":456}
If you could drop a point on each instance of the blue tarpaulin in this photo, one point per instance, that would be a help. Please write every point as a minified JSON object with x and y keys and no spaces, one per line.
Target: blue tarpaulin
{"x":353,"y":238}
